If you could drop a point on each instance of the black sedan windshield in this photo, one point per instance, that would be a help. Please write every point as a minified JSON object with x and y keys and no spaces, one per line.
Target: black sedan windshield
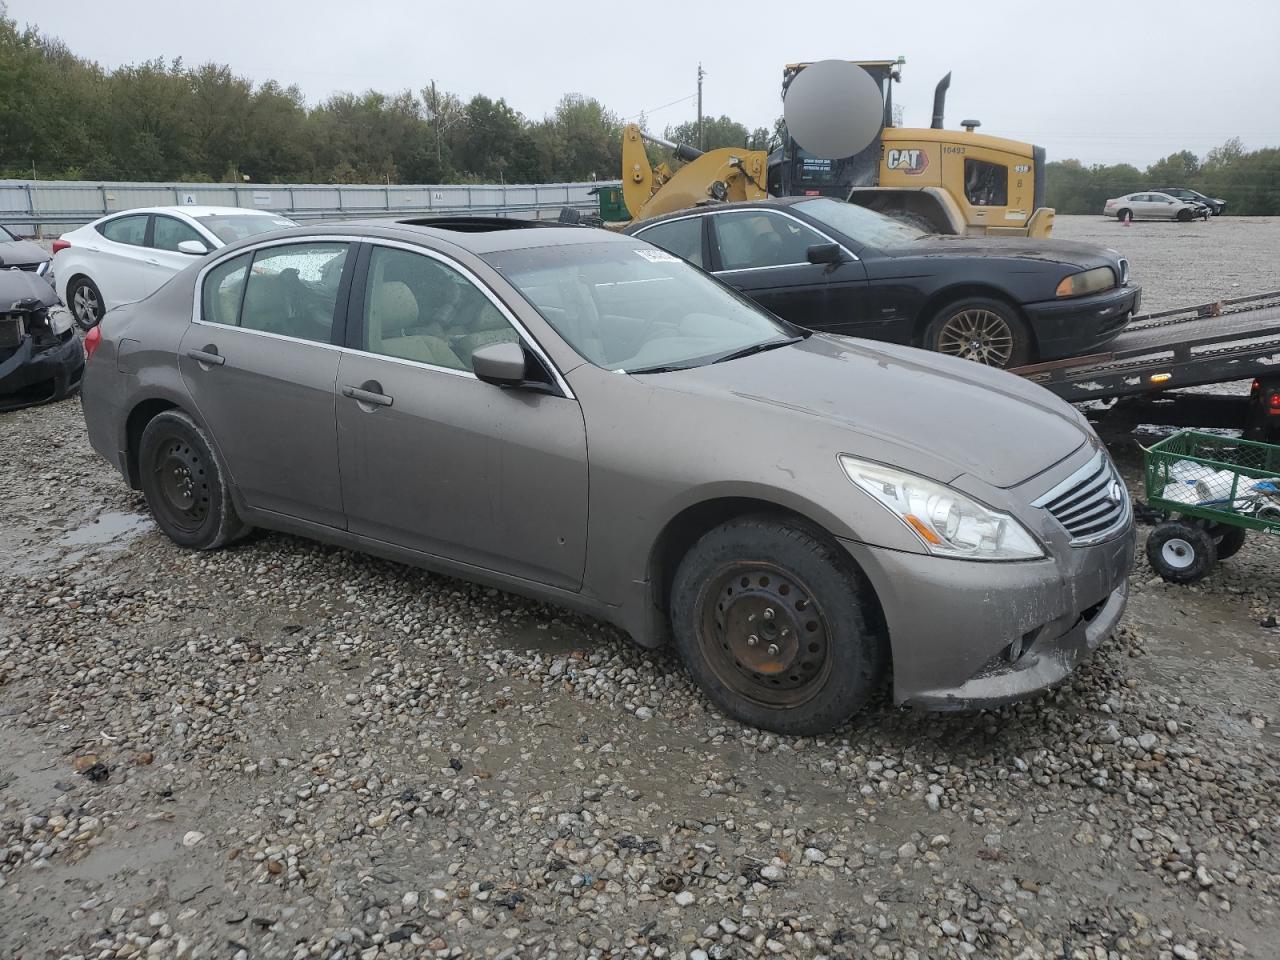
{"x":860,"y":224}
{"x":635,"y":307}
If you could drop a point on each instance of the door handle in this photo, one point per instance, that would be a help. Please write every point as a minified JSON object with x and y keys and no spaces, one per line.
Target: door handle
{"x":154,"y":262}
{"x":369,"y":392}
{"x":207,"y":357}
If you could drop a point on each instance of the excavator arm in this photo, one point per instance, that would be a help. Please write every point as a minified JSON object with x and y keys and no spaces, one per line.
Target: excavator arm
{"x":713,"y":176}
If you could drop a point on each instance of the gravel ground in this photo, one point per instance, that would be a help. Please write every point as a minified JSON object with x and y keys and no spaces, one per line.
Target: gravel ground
{"x":288,"y":750}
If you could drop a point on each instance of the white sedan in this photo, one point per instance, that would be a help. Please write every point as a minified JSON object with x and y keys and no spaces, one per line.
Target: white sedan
{"x":127,"y":256}
{"x":1154,"y":206}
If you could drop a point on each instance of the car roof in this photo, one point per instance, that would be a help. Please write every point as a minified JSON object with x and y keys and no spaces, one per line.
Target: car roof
{"x":478,"y":235}
{"x":196,"y":210}
{"x":769,"y":203}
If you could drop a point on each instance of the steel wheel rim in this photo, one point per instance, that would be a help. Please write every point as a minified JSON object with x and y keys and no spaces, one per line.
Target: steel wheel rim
{"x":179,"y":471}
{"x":764,"y":634}
{"x":85,"y":304}
{"x":1177,"y":553}
{"x":977,"y":334}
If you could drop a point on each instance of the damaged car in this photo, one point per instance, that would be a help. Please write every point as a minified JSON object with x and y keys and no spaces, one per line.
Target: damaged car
{"x":25,"y":255}
{"x":40,"y":355}
{"x":583,"y":417}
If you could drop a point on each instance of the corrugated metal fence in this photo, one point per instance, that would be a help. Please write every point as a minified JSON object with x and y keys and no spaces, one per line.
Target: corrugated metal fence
{"x":50,"y":206}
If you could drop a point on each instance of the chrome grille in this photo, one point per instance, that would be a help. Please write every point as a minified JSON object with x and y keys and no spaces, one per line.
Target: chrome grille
{"x":1091,"y":504}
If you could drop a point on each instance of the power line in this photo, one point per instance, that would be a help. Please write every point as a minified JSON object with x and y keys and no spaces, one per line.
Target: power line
{"x":644,"y":113}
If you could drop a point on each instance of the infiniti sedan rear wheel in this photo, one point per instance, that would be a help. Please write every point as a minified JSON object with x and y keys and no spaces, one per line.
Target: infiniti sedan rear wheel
{"x":770,"y":620}
{"x":981,"y":329}
{"x":185,"y":484}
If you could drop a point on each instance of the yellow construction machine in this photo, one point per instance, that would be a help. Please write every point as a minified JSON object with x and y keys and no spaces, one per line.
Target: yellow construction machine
{"x":945,"y":181}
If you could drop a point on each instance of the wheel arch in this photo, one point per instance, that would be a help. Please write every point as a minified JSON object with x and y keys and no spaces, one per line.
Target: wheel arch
{"x":142,"y":413}
{"x":686,"y":527}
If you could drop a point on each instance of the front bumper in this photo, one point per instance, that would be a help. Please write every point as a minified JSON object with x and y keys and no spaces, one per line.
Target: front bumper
{"x":34,"y":375}
{"x":1078,"y":326}
{"x":968,"y":635}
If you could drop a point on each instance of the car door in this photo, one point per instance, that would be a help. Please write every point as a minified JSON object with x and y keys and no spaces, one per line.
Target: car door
{"x":260,"y":361}
{"x":434,"y":459}
{"x":117,"y":262}
{"x":163,"y":258}
{"x":763,"y":254}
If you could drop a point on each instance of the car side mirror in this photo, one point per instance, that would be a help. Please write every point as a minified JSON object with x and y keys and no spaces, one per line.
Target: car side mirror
{"x":502,"y":364}
{"x":825,"y":253}
{"x":193,"y":248}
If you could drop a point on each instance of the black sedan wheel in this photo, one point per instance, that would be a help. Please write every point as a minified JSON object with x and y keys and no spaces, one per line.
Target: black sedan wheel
{"x":981,"y":329}
{"x":770,"y":619}
{"x":185,"y":484}
{"x":85,"y":301}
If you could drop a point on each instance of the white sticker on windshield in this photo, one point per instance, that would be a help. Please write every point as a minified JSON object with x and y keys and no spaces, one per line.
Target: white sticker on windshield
{"x":658,"y":256}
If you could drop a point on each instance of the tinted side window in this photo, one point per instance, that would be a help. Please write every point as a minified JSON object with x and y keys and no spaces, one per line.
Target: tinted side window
{"x":223,"y":285}
{"x":681,"y":237}
{"x":986,"y":184}
{"x":762,"y":239}
{"x":417,"y":308}
{"x":169,"y":232}
{"x":292,"y":290}
{"x":130,"y":230}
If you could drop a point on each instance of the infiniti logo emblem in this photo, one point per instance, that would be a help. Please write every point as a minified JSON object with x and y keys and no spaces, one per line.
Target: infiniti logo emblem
{"x":1113,"y":491}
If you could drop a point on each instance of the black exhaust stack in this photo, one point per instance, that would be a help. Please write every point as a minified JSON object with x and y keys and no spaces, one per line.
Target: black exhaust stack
{"x":940,"y":101}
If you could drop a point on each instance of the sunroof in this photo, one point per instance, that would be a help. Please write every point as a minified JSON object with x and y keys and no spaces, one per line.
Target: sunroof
{"x":477,"y":224}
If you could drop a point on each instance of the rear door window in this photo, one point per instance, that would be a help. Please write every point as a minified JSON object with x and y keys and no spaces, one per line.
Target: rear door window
{"x":128,"y":230}
{"x":681,"y":237}
{"x":292,"y":290}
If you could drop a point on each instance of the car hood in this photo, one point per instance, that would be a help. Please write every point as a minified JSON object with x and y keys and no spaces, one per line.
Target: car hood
{"x":14,"y":252}
{"x":18,"y":285}
{"x":935,"y":415}
{"x":1068,"y":252}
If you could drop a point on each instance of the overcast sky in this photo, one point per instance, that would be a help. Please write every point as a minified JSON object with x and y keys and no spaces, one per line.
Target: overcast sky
{"x":1106,"y":82}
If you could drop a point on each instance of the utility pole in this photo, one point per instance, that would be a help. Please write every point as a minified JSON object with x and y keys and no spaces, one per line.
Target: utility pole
{"x":701,"y":144}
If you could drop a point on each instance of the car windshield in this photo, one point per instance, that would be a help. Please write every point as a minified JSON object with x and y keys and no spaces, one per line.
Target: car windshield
{"x":633,"y":307}
{"x":229,"y":227}
{"x":858,"y":223}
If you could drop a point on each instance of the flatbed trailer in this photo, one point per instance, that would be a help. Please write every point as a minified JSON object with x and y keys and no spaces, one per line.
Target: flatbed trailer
{"x":1209,"y":343}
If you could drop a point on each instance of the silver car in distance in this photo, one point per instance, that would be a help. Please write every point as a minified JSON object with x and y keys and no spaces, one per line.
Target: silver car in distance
{"x":582,"y":417}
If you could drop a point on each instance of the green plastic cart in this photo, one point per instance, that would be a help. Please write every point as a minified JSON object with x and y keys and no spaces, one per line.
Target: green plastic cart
{"x":1215,"y":489}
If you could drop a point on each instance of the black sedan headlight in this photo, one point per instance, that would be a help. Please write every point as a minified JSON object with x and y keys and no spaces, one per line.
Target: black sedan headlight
{"x":1090,"y":281}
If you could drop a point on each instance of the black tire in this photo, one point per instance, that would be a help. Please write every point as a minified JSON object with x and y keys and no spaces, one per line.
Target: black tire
{"x":1228,"y":540}
{"x":1184,"y":216}
{"x":1181,"y":551}
{"x":1126,"y":213}
{"x":796,"y":650}
{"x":185,"y":484}
{"x":84,"y":300}
{"x":982,"y":329}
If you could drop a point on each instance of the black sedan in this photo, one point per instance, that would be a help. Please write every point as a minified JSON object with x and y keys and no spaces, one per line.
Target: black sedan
{"x":40,"y":356}
{"x":1217,"y":206}
{"x":844,"y":269}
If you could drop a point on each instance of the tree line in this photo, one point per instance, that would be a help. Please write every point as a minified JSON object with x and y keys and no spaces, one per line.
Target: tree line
{"x":1249,"y":180}
{"x":65,"y":117}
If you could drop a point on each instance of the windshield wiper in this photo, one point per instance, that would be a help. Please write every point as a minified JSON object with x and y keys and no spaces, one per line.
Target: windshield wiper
{"x":757,"y":348}
{"x":662,"y":368}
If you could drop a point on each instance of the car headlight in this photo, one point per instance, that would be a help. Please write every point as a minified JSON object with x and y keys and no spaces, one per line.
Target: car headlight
{"x":1090,"y":281}
{"x":948,"y":523}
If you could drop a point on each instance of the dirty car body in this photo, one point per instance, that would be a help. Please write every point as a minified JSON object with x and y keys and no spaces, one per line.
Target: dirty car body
{"x":40,"y":355}
{"x":26,"y":255}
{"x":602,"y":416}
